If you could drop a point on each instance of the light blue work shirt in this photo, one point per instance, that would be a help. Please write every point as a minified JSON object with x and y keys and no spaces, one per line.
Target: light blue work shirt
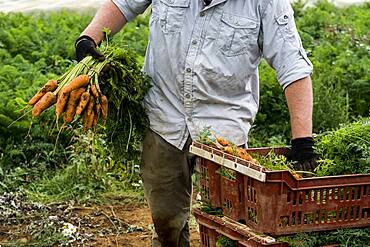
{"x":203,"y":62}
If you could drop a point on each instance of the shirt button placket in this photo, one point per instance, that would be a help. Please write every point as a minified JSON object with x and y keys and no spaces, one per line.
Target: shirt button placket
{"x":189,"y":71}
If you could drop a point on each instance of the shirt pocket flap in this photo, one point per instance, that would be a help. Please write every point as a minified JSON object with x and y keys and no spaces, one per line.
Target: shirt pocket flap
{"x":285,"y":18}
{"x":238,"y":21}
{"x":177,"y":3}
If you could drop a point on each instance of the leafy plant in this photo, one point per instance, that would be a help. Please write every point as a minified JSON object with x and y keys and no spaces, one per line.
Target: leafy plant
{"x":226,"y":173}
{"x":87,"y":174}
{"x":223,"y":241}
{"x":342,"y":237}
{"x":345,"y":150}
{"x":274,"y":161}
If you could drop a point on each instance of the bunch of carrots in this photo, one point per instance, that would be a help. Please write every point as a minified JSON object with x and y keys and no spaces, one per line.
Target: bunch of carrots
{"x":76,"y":94}
{"x":208,"y":137}
{"x":231,"y":148}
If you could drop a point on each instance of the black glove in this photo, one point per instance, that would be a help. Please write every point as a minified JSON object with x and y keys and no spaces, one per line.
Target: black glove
{"x":302,"y":154}
{"x":85,"y":46}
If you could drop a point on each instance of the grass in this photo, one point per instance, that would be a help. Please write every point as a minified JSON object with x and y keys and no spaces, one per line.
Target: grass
{"x":68,"y":184}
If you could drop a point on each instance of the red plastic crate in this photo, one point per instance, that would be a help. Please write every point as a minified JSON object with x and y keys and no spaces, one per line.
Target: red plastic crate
{"x":275,"y":202}
{"x":212,"y":227}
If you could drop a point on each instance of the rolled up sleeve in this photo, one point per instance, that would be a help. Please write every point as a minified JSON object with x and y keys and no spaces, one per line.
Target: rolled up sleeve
{"x":132,"y":8}
{"x":282,"y":46}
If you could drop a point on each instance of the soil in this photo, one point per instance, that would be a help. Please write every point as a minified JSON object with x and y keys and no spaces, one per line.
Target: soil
{"x":136,"y":215}
{"x":126,"y":225}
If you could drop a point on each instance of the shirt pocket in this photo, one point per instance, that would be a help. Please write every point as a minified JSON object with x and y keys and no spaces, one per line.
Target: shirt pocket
{"x":236,"y":34}
{"x":172,"y":15}
{"x":286,"y":25}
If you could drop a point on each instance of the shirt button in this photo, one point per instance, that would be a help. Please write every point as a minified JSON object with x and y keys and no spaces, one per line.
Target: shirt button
{"x":187,"y":95}
{"x":189,"y":119}
{"x":194,"y":42}
{"x":188,"y":70}
{"x":202,"y":14}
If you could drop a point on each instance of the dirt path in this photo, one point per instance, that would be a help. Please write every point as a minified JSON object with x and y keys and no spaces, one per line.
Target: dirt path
{"x":126,"y":224}
{"x":136,"y":216}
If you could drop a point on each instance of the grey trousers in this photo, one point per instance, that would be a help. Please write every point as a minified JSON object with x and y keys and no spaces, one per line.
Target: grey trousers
{"x":166,"y":173}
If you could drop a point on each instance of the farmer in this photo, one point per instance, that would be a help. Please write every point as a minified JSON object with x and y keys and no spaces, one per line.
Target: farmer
{"x":202,"y":59}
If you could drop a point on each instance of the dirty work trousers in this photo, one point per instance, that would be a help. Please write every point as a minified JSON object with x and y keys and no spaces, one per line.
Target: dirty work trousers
{"x":166,"y":173}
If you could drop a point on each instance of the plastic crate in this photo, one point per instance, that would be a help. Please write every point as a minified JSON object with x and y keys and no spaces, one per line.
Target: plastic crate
{"x":212,"y":227}
{"x":275,"y":202}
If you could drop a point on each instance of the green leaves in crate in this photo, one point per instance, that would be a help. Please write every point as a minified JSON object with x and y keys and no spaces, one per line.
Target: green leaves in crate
{"x":342,"y":237}
{"x":223,"y":241}
{"x":345,"y":150}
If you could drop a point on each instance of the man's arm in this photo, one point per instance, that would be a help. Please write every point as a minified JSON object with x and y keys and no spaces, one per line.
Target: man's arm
{"x":108,"y":16}
{"x":282,"y":48}
{"x":300,"y":102}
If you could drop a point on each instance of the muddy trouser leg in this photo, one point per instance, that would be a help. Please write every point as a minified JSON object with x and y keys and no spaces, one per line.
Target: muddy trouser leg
{"x":166,"y":174}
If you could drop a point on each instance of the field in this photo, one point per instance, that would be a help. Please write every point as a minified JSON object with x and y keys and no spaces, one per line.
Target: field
{"x":47,"y":183}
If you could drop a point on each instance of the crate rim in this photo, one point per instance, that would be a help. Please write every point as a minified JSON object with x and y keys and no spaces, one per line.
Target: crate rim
{"x":265,"y":175}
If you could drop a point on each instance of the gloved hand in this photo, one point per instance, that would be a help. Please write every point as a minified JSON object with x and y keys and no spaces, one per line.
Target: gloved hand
{"x":85,"y":46}
{"x":302,"y":154}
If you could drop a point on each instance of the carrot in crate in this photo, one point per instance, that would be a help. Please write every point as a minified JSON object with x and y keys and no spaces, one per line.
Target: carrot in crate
{"x":231,"y":150}
{"x":242,"y":153}
{"x":223,"y":141}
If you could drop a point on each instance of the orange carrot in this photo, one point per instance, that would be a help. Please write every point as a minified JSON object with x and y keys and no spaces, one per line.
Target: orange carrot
{"x":94,"y":91}
{"x":223,"y":142}
{"x":296,"y":175}
{"x":50,"y":86}
{"x":95,"y":120}
{"x":242,"y":153}
{"x":85,"y":120}
{"x":79,"y":81}
{"x":84,"y":100}
{"x":230,"y":150}
{"x":89,"y":114}
{"x":61,"y":102}
{"x":104,"y":108}
{"x":72,"y":104}
{"x":97,"y":110}
{"x":45,"y":102}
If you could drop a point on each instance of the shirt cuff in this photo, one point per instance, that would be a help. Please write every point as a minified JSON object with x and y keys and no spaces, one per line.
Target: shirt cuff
{"x":296,"y":71}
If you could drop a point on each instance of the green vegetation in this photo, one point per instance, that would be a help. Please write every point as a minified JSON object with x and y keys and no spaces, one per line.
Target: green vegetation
{"x":341,"y":237}
{"x":223,"y":241}
{"x":274,"y":161}
{"x":346,"y":150}
{"x":342,"y":151}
